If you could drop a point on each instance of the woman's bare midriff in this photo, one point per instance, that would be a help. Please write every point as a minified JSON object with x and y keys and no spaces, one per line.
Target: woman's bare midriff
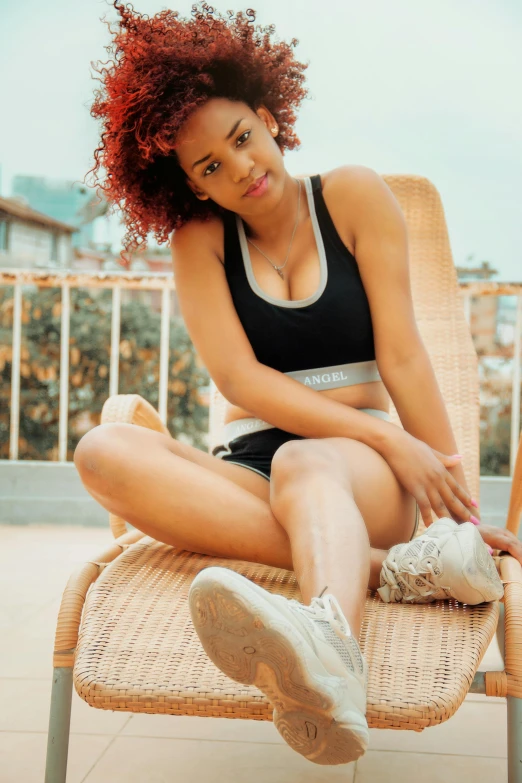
{"x":361,"y":395}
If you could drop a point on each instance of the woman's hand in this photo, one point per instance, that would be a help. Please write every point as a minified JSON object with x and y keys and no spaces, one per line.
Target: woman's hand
{"x":495,"y":537}
{"x":423,"y":472}
{"x":502,"y":539}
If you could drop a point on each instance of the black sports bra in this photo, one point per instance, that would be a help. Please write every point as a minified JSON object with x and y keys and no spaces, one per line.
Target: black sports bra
{"x":324,"y":332}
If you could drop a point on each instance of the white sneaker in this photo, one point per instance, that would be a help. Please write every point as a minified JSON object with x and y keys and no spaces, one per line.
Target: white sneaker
{"x":449,"y":560}
{"x":303,"y":658}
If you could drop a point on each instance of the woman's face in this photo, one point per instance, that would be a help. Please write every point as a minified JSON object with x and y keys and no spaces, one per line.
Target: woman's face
{"x":224,"y":147}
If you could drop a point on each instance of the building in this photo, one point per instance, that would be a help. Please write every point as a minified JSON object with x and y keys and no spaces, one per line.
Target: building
{"x":483,"y":310}
{"x":31,"y":239}
{"x":492,"y":324}
{"x":482,"y":272}
{"x":483,"y":324}
{"x":68,"y":202}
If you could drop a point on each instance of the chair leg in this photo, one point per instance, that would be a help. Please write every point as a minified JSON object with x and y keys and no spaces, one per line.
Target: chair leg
{"x":514,"y":708}
{"x":59,"y":724}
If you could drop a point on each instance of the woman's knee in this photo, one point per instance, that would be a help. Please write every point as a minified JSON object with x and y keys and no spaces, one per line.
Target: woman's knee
{"x":295,"y":460}
{"x":101,"y":451}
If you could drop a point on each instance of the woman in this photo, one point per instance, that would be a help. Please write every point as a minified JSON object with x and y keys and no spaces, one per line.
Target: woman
{"x":295,"y":292}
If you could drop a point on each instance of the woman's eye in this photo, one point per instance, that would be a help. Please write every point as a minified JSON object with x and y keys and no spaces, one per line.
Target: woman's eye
{"x":207,"y":170}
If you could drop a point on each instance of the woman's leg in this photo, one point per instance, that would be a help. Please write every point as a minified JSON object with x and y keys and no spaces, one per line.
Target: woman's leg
{"x":181,"y":495}
{"x":335,"y":496}
{"x":190,"y":499}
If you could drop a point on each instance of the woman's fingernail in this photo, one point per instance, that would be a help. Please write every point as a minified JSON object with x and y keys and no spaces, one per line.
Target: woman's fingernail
{"x":474,"y":503}
{"x":490,"y":550}
{"x":474,"y":520}
{"x":456,"y":456}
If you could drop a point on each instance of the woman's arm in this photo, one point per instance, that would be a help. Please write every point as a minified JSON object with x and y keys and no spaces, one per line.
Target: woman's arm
{"x":415,"y":392}
{"x":290,"y":405}
{"x":381,"y":249}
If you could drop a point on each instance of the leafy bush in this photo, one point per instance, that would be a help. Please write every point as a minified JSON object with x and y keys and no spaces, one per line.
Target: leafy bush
{"x":495,"y":446}
{"x":89,"y":356}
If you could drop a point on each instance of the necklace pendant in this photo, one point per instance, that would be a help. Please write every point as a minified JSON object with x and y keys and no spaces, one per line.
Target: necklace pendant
{"x":280,"y":273}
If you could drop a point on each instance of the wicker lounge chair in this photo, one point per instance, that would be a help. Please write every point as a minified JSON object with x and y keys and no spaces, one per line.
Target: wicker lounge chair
{"x":124,"y":630}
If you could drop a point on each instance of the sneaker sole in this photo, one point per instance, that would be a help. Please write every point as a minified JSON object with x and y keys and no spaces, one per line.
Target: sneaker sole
{"x":243,"y":636}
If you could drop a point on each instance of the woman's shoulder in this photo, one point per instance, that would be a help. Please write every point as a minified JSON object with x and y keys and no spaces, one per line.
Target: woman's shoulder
{"x":346,"y":178}
{"x":345,"y":190}
{"x":209,"y":233}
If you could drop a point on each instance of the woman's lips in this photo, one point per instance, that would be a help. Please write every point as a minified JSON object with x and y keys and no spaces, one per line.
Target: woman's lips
{"x":260,"y":189}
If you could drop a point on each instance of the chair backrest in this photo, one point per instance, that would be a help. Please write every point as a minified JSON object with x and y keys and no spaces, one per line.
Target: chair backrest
{"x":439,"y":312}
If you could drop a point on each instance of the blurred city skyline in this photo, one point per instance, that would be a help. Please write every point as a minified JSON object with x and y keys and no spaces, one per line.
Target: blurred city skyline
{"x":430,"y":89}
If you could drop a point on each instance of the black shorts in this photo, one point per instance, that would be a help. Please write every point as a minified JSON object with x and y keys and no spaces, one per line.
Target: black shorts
{"x":255,"y":450}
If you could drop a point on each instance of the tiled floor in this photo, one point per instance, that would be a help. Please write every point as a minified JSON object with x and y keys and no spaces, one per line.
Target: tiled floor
{"x":107,"y":747}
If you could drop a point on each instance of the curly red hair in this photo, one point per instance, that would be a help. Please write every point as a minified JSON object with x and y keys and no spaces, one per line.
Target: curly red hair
{"x":162,"y":69}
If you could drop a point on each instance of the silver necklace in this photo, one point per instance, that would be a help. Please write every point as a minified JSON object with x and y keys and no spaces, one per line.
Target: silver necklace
{"x":279,"y":269}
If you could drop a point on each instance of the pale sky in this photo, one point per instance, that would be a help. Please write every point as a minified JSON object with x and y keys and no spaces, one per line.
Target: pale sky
{"x":429,"y":87}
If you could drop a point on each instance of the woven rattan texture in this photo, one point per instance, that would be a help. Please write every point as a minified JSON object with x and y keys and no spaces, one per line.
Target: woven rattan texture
{"x":138,"y":650}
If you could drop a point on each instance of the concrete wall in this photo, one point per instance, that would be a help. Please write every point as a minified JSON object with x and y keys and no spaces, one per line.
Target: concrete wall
{"x":46,"y":493}
{"x":52,"y":493}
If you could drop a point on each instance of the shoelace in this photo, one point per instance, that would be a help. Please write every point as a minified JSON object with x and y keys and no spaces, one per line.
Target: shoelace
{"x":326,"y":608}
{"x":426,"y":589}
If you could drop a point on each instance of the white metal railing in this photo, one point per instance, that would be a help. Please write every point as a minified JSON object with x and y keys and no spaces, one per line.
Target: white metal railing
{"x":164,"y":282}
{"x":65,"y":280}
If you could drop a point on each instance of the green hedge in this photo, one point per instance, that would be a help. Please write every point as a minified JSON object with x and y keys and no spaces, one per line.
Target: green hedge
{"x":89,"y":355}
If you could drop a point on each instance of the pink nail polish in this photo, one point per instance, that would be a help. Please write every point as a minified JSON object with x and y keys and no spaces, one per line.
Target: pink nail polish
{"x":474,"y":520}
{"x":456,"y":456}
{"x":474,"y":503}
{"x":490,"y":550}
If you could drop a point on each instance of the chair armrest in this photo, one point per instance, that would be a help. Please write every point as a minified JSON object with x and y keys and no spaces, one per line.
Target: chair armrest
{"x":509,"y":682}
{"x":133,"y":409}
{"x":130,"y":409}
{"x":515,"y":500}
{"x":73,"y":599}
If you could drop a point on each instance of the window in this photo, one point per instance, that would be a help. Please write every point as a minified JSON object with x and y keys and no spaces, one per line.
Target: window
{"x":54,"y":246}
{"x":4,"y":235}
